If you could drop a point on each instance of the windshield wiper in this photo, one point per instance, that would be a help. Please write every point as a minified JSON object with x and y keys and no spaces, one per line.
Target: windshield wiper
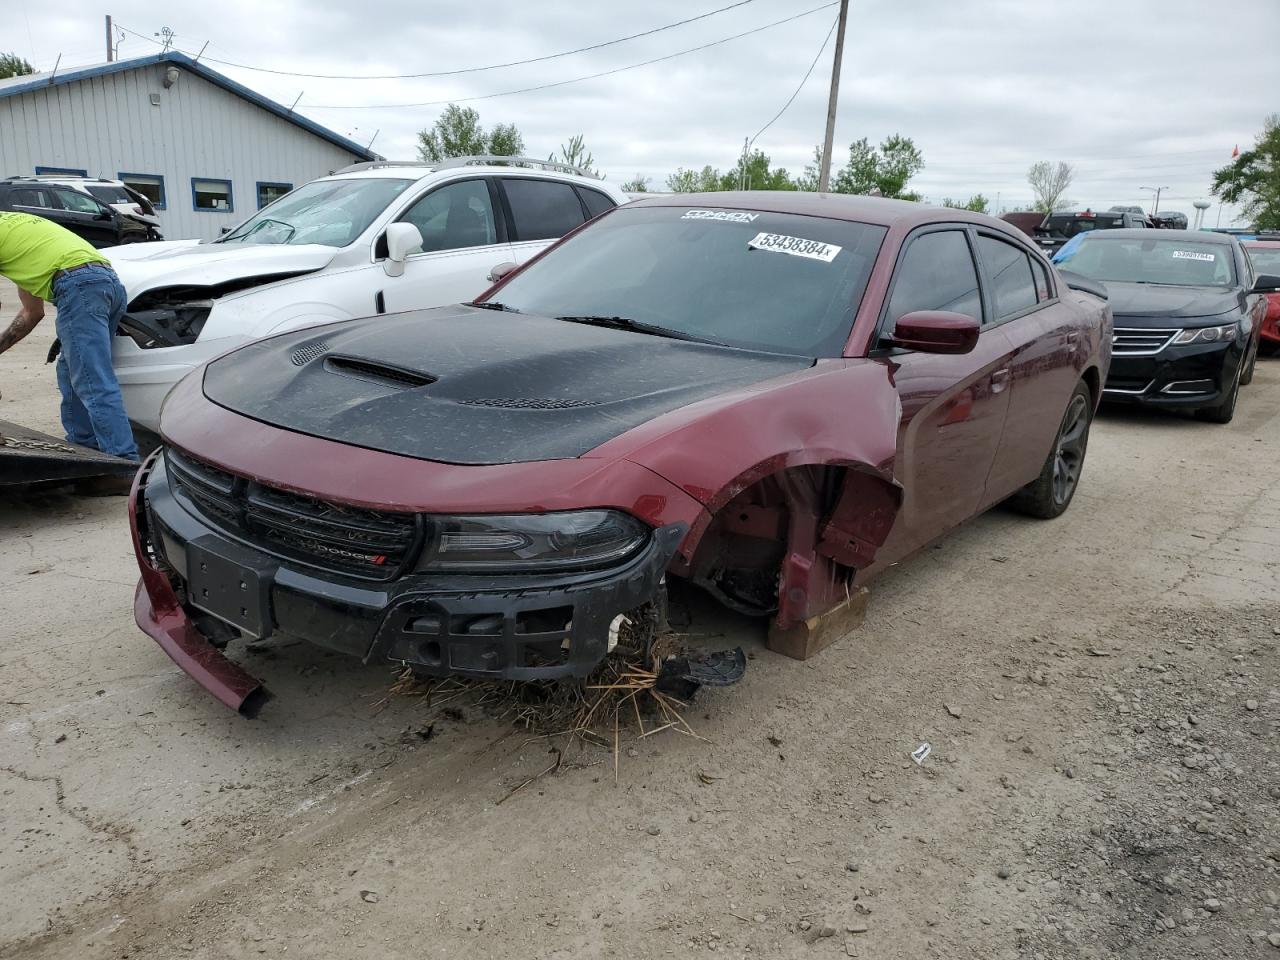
{"x":637,"y":326}
{"x":492,"y":305}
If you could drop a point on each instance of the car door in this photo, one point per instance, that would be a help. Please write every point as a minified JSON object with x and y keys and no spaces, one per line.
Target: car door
{"x":541,"y":211}
{"x":1044,"y":365}
{"x":94,"y":221}
{"x":953,"y":405}
{"x":462,"y":240}
{"x":38,"y":199}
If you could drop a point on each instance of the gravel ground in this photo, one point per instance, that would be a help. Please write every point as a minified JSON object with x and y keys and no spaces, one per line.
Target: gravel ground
{"x":1101,"y":693}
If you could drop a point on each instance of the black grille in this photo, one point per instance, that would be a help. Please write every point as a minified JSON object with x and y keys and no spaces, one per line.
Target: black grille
{"x":350,"y":540}
{"x":1140,"y":341}
{"x":528,"y":403}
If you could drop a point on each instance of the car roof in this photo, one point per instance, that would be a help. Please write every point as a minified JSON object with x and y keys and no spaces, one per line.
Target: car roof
{"x":880,"y":211}
{"x":1267,"y":242}
{"x":417,"y":172}
{"x":1199,"y":236}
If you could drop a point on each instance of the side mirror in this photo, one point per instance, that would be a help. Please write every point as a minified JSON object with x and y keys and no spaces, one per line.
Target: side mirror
{"x":936,"y":331}
{"x":502,"y":271}
{"x":1266,"y":283}
{"x":105,"y":213}
{"x":402,"y":240}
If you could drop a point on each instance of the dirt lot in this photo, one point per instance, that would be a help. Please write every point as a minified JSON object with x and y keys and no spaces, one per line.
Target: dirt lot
{"x":1102,"y":694}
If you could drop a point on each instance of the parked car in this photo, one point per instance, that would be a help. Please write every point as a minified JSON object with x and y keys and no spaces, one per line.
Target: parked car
{"x":772,"y":395}
{"x":1061,"y":225}
{"x":1264,"y":254}
{"x":1028,"y":221}
{"x":95,"y":221}
{"x":374,"y":238}
{"x":114,"y":193}
{"x":1188,"y":309}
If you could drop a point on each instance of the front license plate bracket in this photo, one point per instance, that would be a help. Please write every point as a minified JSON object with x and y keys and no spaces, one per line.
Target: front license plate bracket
{"x":231,"y":583}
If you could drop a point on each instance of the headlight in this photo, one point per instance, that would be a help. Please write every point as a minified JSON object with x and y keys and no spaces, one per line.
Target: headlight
{"x":1207,"y":334}
{"x":573,"y":540}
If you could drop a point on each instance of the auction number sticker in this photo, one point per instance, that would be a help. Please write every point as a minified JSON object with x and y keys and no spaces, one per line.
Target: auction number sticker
{"x":795,"y":246}
{"x":1193,"y":255}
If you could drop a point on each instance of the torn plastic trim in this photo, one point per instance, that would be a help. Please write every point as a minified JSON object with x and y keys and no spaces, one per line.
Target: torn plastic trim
{"x":159,"y":615}
{"x":175,"y":315}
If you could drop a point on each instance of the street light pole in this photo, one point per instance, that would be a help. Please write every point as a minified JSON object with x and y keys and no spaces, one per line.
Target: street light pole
{"x":1157,"y":191}
{"x":824,"y":168}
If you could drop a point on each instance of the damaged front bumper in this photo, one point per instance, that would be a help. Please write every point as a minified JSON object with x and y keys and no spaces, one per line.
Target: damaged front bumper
{"x":525,"y":627}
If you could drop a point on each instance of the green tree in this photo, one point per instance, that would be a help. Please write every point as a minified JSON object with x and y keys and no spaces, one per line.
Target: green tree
{"x":457,"y":133}
{"x":809,"y":179}
{"x":694,"y":181}
{"x":575,"y":154}
{"x":885,"y":170}
{"x":758,"y":176}
{"x":12,"y":65}
{"x":1252,"y":179}
{"x":636,"y":184}
{"x":977,"y":203}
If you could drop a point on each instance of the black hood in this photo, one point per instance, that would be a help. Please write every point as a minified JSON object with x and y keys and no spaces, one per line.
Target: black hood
{"x":470,"y":386}
{"x":1157,"y":303}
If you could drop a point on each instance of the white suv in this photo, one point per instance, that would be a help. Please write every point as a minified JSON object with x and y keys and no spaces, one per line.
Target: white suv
{"x":373,"y":238}
{"x":114,"y":193}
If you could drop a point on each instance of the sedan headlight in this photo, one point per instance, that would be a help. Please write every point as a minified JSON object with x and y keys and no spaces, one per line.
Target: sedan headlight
{"x":572,"y":540}
{"x":1207,"y":334}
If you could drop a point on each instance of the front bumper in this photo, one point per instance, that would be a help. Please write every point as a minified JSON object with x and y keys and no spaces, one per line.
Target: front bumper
{"x":511,"y":628}
{"x":147,"y":376}
{"x":1178,"y":376}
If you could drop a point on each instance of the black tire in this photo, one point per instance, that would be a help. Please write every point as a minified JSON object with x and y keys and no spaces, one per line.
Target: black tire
{"x":1049,"y":494}
{"x":1225,"y":410}
{"x":1247,"y":377}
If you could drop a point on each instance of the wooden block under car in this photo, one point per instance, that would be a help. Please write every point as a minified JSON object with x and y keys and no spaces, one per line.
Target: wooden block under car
{"x":803,"y":640}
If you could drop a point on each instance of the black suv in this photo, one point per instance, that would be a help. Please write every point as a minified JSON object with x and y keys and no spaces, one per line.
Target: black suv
{"x":80,"y":213}
{"x":1061,"y":226}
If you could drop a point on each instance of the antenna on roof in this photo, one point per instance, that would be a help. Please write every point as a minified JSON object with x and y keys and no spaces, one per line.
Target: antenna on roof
{"x":296,"y":99}
{"x":166,"y":36}
{"x":54,"y":72}
{"x":201,"y":53}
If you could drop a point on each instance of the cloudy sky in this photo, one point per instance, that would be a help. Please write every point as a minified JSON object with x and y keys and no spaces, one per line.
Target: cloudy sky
{"x":1133,"y":93}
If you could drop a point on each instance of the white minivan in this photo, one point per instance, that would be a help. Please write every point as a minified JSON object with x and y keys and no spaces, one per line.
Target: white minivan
{"x":377,"y":237}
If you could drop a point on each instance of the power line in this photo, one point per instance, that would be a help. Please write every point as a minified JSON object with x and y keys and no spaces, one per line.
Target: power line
{"x":791,"y":99}
{"x":461,"y":70}
{"x":562,"y":83}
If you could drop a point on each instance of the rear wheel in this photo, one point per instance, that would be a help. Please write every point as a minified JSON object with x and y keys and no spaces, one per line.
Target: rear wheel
{"x":1050,"y":494}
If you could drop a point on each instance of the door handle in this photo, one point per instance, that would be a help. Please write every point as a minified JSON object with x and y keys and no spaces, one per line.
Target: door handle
{"x":999,"y":380}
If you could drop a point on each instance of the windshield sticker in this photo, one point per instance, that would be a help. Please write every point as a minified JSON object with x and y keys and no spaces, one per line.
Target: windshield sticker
{"x":733,"y":216}
{"x":1193,"y":255}
{"x":795,"y":246}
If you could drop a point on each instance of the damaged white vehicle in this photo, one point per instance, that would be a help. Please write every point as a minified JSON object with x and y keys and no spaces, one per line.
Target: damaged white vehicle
{"x":374,"y":238}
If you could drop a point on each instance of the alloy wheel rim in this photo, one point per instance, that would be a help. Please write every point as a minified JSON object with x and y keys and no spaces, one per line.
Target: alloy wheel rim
{"x":1068,"y":458}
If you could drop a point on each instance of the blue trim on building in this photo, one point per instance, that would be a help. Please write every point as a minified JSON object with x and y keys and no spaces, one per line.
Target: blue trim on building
{"x":231,"y":197}
{"x":62,"y":171}
{"x":39,"y":81}
{"x":269,"y":183}
{"x":162,"y":203}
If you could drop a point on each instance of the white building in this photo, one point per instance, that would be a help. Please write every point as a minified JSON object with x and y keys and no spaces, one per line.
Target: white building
{"x":206,"y":150}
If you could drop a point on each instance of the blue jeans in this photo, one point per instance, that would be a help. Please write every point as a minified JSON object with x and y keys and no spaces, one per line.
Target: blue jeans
{"x":90,"y":302}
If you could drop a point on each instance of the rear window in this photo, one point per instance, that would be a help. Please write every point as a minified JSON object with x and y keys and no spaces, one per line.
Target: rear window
{"x":767,"y":281}
{"x":1173,"y":262}
{"x":1068,"y":225}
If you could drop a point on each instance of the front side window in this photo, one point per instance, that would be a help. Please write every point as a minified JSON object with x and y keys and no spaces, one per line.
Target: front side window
{"x":269,"y":193}
{"x":454,"y":216}
{"x":212,"y":195}
{"x":151,"y":187}
{"x":76,"y":201}
{"x":1013,"y":286}
{"x":1151,"y":259}
{"x":935,"y":273}
{"x":542,"y":209}
{"x":329,"y":212}
{"x":775,"y":282}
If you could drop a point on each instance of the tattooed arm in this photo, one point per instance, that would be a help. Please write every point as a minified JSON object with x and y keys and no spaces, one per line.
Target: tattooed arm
{"x":31,"y":313}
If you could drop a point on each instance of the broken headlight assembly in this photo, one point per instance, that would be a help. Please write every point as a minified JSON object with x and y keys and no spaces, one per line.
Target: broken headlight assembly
{"x":1218,"y":334}
{"x":535,"y":542}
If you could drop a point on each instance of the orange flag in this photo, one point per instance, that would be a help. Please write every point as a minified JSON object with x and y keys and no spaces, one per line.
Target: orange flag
{"x":1235,"y":151}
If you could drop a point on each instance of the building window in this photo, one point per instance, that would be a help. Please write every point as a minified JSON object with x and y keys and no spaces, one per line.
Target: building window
{"x":61,"y":172}
{"x":213,"y":196}
{"x":149,"y":185}
{"x":271,"y":192}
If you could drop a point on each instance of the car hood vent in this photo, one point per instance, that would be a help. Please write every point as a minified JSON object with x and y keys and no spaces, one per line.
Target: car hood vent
{"x":308,"y":352}
{"x":505,"y":387}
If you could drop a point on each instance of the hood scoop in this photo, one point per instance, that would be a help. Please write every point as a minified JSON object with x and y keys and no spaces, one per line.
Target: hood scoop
{"x":371,"y":371}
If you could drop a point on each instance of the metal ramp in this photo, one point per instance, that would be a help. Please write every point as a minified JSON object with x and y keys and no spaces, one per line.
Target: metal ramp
{"x":28,"y":457}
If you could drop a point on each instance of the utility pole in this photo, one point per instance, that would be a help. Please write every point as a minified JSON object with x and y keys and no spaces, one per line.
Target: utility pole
{"x":824,"y":169}
{"x":111,"y":54}
{"x":1157,"y":191}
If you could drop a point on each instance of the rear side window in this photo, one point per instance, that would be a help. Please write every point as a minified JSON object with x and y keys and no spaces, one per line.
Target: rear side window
{"x":542,"y":209}
{"x":1009,"y":268}
{"x":33,"y":197}
{"x":1044,"y":288}
{"x":597,"y":203}
{"x":935,"y":273}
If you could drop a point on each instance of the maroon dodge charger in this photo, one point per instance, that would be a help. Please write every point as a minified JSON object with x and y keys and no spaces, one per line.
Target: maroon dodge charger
{"x":772,"y":395}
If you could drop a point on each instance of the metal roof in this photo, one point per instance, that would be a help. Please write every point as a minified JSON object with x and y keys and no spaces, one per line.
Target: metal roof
{"x":35,"y":81}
